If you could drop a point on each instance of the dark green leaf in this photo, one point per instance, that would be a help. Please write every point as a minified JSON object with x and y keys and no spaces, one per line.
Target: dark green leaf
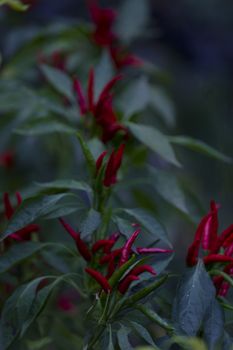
{"x":135,"y":98}
{"x":110,"y":341}
{"x":123,"y":339}
{"x":44,"y":127}
{"x":144,"y":334}
{"x":194,"y":296}
{"x":154,"y":317}
{"x":199,"y":146}
{"x":124,"y":226}
{"x":88,"y":155}
{"x":66,"y":184}
{"x":90,"y":223}
{"x":59,"y":80}
{"x":104,"y":72}
{"x":189,"y":343}
{"x":161,"y":103}
{"x":30,"y":210}
{"x":155,"y":140}
{"x":132,"y":19}
{"x":166,"y":184}
{"x":149,"y":222}
{"x":23,"y":307}
{"x":22,"y":251}
{"x":213,"y":326}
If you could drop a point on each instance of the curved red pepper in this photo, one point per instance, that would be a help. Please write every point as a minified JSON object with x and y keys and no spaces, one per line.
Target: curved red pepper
{"x":103,"y":282}
{"x":126,"y":251}
{"x":81,"y":245}
{"x":125,"y":283}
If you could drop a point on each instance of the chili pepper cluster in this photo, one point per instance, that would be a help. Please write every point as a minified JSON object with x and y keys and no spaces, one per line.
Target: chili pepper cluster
{"x":217,"y":250}
{"x":104,"y":36}
{"x":102,"y":109}
{"x":105,"y":260}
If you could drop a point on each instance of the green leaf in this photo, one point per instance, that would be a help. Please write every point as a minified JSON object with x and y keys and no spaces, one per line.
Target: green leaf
{"x":190,"y":343}
{"x":199,"y":146}
{"x":66,"y":184}
{"x":110,"y":341}
{"x":163,"y":105}
{"x":154,"y":317}
{"x":14,"y":4}
{"x":132,"y":19}
{"x":88,"y":155}
{"x":104,"y":72}
{"x":39,"y":344}
{"x":123,"y":338}
{"x":90,"y":223}
{"x":194,"y":296}
{"x":19,"y":252}
{"x":60,"y":81}
{"x":119,"y":273}
{"x":166,"y":184}
{"x":43,"y":127}
{"x":124,"y":226}
{"x":136,"y":97}
{"x":144,"y":334}
{"x":30,"y":210}
{"x":149,"y":222}
{"x":144,"y":292}
{"x":213,"y":327}
{"x":23,"y":307}
{"x":96,"y":147}
{"x":227,"y":342}
{"x":155,"y":140}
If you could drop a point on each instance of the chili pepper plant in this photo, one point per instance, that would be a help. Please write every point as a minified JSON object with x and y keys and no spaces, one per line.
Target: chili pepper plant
{"x":91,"y":180}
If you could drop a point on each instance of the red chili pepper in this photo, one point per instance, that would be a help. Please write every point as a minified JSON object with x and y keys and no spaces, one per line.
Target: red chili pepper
{"x":216,"y":258}
{"x":9,"y":210}
{"x":113,"y":166}
{"x":25,"y":232}
{"x":99,"y":161}
{"x":122,"y":58}
{"x":217,"y":280}
{"x":7,"y":159}
{"x":192,"y":255}
{"x":125,"y":283}
{"x":19,"y":198}
{"x":81,"y":245}
{"x":126,"y":251}
{"x":224,"y":236}
{"x":80,"y":96}
{"x":106,"y":258}
{"x":229,"y":268}
{"x":210,"y":228}
{"x":101,"y":244}
{"x":224,"y":289}
{"x":111,"y":268}
{"x":103,"y":19}
{"x":153,"y":250}
{"x":143,"y":268}
{"x":207,"y":234}
{"x":108,"y":87}
{"x":229,"y":250}
{"x":228,"y":241}
{"x":103,"y":282}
